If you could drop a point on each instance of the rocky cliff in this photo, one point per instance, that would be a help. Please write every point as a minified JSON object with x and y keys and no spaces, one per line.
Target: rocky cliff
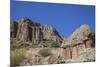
{"x":28,"y":39}
{"x":81,"y":39}
{"x":27,"y":30}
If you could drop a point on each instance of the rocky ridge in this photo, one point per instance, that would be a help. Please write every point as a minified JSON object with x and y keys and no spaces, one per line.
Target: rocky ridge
{"x":79,"y":36}
{"x":26,"y":30}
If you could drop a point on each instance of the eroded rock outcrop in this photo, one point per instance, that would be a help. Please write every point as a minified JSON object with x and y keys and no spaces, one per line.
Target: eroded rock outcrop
{"x":13,"y":29}
{"x":50,"y":33}
{"x":81,"y":39}
{"x":79,"y":47}
{"x":29,"y":31}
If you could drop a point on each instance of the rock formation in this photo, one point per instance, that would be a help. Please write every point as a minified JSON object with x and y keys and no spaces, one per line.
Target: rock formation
{"x":29,"y":31}
{"x":75,"y":48}
{"x":81,"y":39}
{"x":13,"y":29}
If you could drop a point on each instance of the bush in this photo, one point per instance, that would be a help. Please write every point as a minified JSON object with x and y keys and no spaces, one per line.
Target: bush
{"x":51,"y":44}
{"x":66,"y":46}
{"x":16,"y":44}
{"x":17,"y":56}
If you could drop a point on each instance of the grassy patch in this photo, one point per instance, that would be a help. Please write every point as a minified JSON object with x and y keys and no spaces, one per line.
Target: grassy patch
{"x":50,"y":44}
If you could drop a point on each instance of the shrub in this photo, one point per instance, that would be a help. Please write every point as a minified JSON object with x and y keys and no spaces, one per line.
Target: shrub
{"x":51,"y":44}
{"x":66,"y":46}
{"x":16,"y":44}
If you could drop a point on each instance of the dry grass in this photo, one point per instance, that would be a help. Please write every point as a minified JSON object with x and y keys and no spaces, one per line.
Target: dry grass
{"x":17,"y":56}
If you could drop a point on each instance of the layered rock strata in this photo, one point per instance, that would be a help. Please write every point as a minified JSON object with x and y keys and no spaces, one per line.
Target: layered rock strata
{"x":80,"y":40}
{"x":29,"y":31}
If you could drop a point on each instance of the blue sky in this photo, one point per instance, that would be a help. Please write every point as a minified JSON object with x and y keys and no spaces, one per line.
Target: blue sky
{"x":64,"y":17}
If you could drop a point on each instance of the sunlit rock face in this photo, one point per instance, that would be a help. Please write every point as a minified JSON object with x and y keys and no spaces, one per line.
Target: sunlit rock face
{"x":81,"y":39}
{"x":37,"y":39}
{"x":28,"y":30}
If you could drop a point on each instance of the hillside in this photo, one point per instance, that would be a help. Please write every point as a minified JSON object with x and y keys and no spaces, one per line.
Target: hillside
{"x":33,"y":43}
